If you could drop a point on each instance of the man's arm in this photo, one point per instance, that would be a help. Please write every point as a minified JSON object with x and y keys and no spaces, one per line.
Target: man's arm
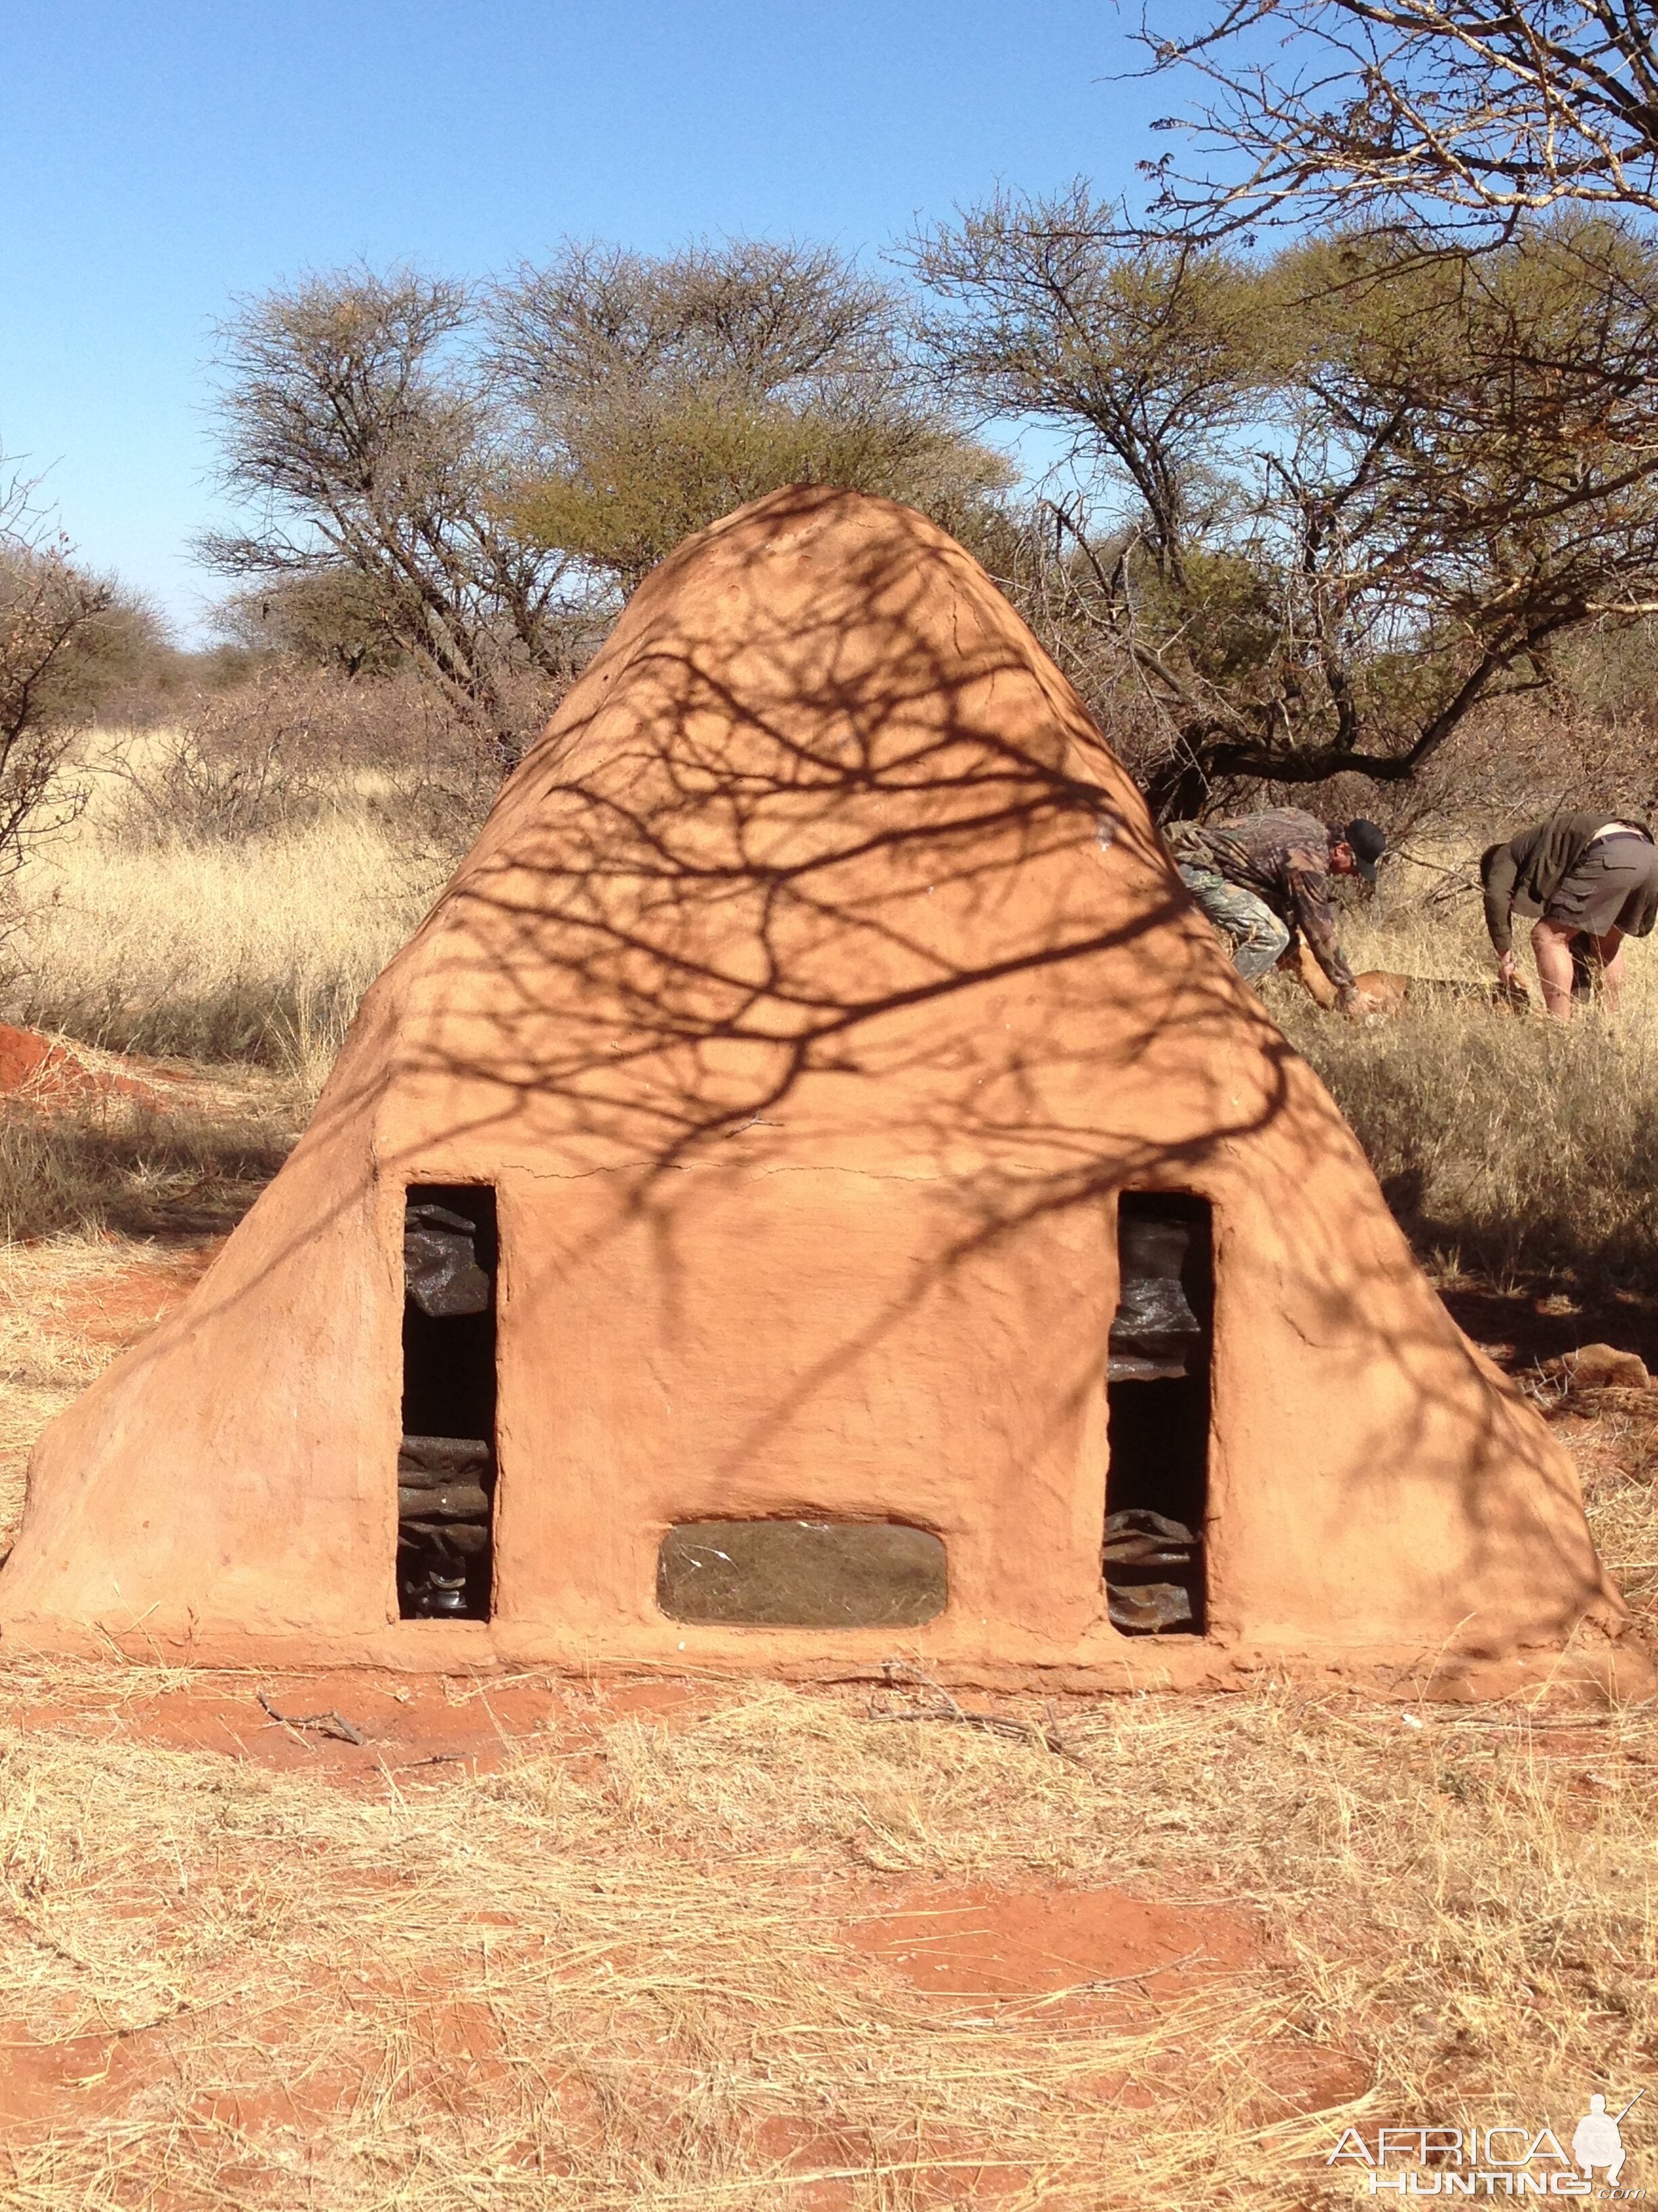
{"x":1316,"y":921}
{"x":1301,"y":964}
{"x":1499,"y":873}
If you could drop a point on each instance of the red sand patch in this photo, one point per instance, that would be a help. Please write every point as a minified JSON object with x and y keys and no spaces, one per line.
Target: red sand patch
{"x":815,"y":2164}
{"x":1071,"y":1950}
{"x":63,"y":2085}
{"x":43,"y":1072}
{"x":415,"y":1728}
{"x":85,"y":2081}
{"x":975,"y":1941}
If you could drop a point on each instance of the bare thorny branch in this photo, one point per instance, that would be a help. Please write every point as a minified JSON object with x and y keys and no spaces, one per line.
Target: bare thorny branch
{"x":1490,"y":111}
{"x":344,"y":426}
{"x":1330,"y":504}
{"x":47,"y":607}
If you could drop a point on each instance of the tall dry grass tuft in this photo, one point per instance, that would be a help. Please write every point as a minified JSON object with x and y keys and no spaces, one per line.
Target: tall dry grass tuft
{"x":1516,"y":1147}
{"x":254,"y":946}
{"x":114,"y":1164}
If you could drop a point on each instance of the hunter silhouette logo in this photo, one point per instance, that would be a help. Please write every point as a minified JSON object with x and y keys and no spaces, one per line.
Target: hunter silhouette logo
{"x":1596,"y":2140}
{"x":1503,"y":2160}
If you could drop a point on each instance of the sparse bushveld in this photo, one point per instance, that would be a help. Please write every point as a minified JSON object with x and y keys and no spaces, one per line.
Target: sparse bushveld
{"x":1324,"y":465}
{"x":485,"y":482}
{"x":232,"y":901}
{"x":1513,"y":1147}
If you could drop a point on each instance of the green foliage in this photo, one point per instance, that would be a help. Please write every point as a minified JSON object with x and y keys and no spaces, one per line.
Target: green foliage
{"x":640,"y":477}
{"x":662,"y":393}
{"x":1313,"y":509}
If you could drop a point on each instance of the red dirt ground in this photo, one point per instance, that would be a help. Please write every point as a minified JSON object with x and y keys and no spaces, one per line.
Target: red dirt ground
{"x":413,"y":1728}
{"x":1005,"y":1949}
{"x":975,"y":1941}
{"x":44,"y":1072}
{"x":48,"y":2084}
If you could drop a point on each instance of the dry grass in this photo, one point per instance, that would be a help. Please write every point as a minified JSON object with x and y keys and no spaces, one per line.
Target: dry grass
{"x":1518,"y":1148}
{"x":258,"y":952}
{"x":594,"y":1978}
{"x":1614,"y":1437}
{"x":45,"y":1363}
{"x":111,"y":1163}
{"x":253,"y":949}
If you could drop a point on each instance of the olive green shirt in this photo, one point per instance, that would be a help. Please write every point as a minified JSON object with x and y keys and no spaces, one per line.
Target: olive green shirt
{"x":1522,"y":876}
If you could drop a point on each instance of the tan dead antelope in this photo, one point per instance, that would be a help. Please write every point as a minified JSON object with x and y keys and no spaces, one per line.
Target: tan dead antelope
{"x":1386,"y":995}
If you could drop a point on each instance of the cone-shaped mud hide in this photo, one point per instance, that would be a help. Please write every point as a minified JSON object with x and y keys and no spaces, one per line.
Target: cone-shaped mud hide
{"x":777,"y":1083}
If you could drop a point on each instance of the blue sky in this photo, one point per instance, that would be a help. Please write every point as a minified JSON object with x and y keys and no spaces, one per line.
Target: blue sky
{"x":162,"y":158}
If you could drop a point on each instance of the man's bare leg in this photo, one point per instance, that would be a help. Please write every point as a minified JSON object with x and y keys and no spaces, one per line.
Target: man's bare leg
{"x":1609,"y":954}
{"x":1551,"y":947}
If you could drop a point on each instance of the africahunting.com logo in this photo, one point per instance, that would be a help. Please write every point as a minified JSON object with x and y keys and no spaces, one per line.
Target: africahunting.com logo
{"x":1474,"y":2161}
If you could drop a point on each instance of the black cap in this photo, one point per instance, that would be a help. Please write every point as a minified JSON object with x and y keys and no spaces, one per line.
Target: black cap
{"x":1369,"y":844}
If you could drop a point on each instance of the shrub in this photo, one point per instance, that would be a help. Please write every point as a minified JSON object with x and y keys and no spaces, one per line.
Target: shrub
{"x":290,"y":744}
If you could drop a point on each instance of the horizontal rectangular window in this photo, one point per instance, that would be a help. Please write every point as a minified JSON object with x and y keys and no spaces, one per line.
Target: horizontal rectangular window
{"x":801,"y":1574}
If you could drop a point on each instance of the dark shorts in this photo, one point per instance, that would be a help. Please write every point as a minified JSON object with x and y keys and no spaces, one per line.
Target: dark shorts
{"x":1613,"y":886}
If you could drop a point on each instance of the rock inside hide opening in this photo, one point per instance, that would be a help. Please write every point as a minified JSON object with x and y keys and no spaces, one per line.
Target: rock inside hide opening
{"x":1157,"y":1492}
{"x":447,"y":1460}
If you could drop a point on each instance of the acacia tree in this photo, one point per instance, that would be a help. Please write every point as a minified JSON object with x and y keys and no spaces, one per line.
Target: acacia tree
{"x":1479,"y":113}
{"x":51,"y":614}
{"x":360,"y":429}
{"x":658,"y":393}
{"x":1328,"y":505}
{"x":480,"y":483}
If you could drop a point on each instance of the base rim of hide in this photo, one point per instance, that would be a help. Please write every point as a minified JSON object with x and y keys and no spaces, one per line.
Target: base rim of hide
{"x":1607,"y":1667}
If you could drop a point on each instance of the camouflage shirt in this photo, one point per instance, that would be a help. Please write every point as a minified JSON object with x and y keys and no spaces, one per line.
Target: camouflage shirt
{"x":1283,"y":856}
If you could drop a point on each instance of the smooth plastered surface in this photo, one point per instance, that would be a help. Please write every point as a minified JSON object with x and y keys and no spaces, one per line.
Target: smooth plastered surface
{"x":814,"y":987}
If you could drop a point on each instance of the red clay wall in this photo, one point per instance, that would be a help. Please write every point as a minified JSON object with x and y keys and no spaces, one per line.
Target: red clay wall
{"x":813,"y":988}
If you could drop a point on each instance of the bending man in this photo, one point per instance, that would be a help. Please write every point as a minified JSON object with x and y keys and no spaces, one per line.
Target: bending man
{"x":1264,"y":879}
{"x":1594,"y":880}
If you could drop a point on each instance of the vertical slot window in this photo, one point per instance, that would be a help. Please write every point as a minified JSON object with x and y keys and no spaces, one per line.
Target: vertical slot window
{"x":1157,"y":1394}
{"x":446,"y":1460}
